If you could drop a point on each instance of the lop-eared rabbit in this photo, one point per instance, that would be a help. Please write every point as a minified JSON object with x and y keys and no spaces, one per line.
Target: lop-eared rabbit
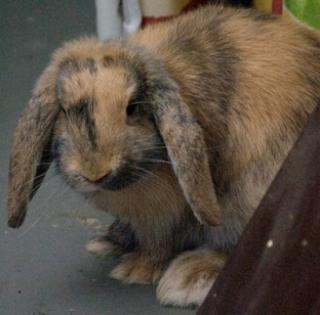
{"x":177,"y":131}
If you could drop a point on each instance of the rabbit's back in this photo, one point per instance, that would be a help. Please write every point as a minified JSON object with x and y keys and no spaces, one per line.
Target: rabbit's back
{"x":252,"y":80}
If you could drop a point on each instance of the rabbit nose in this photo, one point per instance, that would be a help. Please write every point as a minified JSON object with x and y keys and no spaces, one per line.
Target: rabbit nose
{"x":103,"y":178}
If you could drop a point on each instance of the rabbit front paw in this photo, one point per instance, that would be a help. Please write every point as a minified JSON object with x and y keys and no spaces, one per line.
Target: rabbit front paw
{"x":101,"y":247}
{"x":118,"y":239}
{"x":138,"y":268}
{"x":189,"y":278}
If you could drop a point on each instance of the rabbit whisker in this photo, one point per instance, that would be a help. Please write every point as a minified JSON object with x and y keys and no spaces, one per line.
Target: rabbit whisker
{"x":41,"y":216}
{"x":156,"y":161}
{"x":156,"y":181}
{"x":43,"y":184}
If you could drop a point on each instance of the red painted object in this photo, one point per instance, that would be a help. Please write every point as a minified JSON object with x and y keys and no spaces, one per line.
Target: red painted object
{"x":192,"y":5}
{"x":152,"y":19}
{"x":277,"y":6}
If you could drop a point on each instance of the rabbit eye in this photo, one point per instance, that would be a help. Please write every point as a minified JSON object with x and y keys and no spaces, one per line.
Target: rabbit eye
{"x":131,"y":109}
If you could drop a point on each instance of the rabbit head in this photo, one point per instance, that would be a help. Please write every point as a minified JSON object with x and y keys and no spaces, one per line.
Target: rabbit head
{"x":105,"y":112}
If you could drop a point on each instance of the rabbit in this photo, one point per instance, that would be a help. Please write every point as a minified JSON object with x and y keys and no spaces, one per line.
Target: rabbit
{"x":177,"y":131}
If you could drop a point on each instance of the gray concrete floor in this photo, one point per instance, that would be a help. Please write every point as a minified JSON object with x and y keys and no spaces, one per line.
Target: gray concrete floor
{"x":44,"y":268}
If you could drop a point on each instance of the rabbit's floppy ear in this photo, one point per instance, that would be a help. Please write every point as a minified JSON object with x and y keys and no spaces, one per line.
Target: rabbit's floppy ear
{"x":186,"y":148}
{"x":30,"y":148}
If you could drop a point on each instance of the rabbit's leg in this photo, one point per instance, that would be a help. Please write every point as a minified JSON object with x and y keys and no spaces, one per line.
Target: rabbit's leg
{"x":189,"y":277}
{"x":156,"y":247}
{"x":117,"y":240}
{"x":139,"y":267}
{"x":147,"y":262}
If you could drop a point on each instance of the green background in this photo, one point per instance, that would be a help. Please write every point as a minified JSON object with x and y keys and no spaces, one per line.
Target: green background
{"x":307,"y":11}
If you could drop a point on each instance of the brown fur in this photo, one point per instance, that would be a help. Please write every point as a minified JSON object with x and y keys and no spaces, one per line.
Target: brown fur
{"x":138,"y":268}
{"x":190,"y":277}
{"x":225,"y":90}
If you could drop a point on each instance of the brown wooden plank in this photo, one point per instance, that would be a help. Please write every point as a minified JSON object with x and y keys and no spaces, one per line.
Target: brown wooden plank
{"x":275,"y":268}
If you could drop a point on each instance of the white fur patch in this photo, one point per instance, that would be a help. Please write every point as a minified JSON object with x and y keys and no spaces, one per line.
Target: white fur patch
{"x":183,"y":284}
{"x":100,"y":248}
{"x":170,"y":292}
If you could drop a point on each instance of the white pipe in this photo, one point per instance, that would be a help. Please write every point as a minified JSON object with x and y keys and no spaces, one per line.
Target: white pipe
{"x":132,"y":16}
{"x":108,"y":19}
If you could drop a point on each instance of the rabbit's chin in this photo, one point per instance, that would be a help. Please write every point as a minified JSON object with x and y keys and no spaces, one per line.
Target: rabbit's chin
{"x":93,"y":188}
{"x":117,"y":182}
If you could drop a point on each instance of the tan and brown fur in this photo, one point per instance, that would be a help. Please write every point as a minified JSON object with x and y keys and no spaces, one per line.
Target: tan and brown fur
{"x":225,"y":89}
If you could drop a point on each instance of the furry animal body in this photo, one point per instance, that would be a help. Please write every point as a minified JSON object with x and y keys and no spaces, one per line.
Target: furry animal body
{"x":184,"y":123}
